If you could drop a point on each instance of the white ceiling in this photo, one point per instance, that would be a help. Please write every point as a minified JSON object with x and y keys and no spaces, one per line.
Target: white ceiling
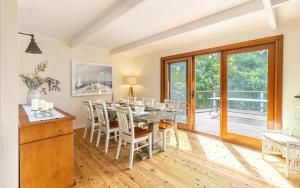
{"x":60,"y":19}
{"x":65,"y":19}
{"x":155,"y":16}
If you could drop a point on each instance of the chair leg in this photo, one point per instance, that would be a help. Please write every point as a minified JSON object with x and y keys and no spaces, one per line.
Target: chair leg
{"x":98,"y":137}
{"x":92,"y":133}
{"x":116,"y":135}
{"x":176,"y":136}
{"x":287,"y":163}
{"x":85,"y":131}
{"x":119,"y":148}
{"x":263,"y":150}
{"x":131,"y":155}
{"x":150,"y":145}
{"x":164,"y":140}
{"x":106,"y":141}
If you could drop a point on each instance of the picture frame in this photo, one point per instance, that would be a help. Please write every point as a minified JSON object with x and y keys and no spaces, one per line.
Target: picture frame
{"x":91,"y":79}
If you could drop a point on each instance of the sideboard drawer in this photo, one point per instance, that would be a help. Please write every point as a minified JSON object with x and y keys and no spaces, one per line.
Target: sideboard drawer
{"x":44,"y":131}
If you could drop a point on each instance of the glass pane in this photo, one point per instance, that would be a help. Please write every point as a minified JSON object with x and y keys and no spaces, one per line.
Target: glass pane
{"x":207,"y":93}
{"x":178,"y":85}
{"x":247,"y":93}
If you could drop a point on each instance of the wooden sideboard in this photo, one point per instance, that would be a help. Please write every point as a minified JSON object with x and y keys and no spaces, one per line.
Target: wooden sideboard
{"x":46,"y":152}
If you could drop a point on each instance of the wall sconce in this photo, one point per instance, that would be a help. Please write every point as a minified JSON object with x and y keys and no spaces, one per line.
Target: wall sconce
{"x":32,"y":47}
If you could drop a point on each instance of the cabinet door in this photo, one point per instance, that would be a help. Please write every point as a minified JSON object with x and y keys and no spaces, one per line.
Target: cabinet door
{"x":47,"y":163}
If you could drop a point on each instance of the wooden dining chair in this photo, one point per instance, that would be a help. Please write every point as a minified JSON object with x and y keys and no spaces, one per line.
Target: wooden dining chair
{"x":91,"y":120}
{"x":170,"y":122}
{"x":148,"y":101}
{"x":106,"y":127}
{"x":131,"y":134}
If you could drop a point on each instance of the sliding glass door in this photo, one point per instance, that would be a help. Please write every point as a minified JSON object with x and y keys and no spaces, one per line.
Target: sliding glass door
{"x":178,"y":86}
{"x":247,"y":92}
{"x":207,"y":93}
{"x":233,"y":92}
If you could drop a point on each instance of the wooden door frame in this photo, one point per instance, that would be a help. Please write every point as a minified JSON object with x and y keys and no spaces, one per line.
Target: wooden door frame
{"x":189,"y":81}
{"x":277,"y":41}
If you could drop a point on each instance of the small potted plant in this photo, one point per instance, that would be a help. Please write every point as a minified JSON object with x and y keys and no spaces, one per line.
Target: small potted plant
{"x":35,"y":83}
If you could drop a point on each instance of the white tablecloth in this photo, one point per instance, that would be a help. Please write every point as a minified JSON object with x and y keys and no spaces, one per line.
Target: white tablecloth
{"x":32,"y":117}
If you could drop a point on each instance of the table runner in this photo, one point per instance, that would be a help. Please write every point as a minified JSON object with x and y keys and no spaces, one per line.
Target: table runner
{"x":39,"y":117}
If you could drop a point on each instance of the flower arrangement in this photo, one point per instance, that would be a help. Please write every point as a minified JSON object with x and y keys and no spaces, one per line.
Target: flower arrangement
{"x":34,"y":81}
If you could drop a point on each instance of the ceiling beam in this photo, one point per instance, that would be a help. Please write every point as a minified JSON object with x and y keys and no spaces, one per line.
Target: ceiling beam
{"x":120,"y":8}
{"x":271,"y":14}
{"x":244,"y":9}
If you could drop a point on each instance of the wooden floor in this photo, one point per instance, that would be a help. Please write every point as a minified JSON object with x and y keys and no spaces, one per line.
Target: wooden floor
{"x":198,"y":161}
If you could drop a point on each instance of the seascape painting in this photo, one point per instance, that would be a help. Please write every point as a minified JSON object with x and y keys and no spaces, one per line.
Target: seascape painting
{"x":91,"y":79}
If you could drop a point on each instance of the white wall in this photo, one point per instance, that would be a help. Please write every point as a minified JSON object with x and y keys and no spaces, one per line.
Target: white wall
{"x":59,"y":57}
{"x":9,"y":69}
{"x":148,"y":66}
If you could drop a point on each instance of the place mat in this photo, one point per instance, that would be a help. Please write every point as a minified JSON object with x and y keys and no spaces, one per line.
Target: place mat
{"x":32,"y":117}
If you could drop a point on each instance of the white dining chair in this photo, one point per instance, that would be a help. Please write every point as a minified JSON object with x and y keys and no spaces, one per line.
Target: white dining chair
{"x":170,"y":122}
{"x":148,"y":101}
{"x":106,"y":127}
{"x":138,"y":103}
{"x":91,"y":120}
{"x":130,"y":100}
{"x":131,"y":134}
{"x":160,"y":106}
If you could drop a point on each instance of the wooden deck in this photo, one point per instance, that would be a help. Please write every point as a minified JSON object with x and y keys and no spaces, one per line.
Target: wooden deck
{"x":198,"y":161}
{"x":244,"y":123}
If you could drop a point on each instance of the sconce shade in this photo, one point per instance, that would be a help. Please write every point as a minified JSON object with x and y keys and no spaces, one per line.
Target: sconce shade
{"x":33,"y":47}
{"x":131,"y":80}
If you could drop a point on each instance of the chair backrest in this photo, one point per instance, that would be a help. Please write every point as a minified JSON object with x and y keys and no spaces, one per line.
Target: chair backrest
{"x":88,"y":110}
{"x":160,"y":105}
{"x":172,"y":105}
{"x":102,"y":114}
{"x":130,"y":100}
{"x":148,"y":101}
{"x":125,"y":120}
{"x":138,"y":103}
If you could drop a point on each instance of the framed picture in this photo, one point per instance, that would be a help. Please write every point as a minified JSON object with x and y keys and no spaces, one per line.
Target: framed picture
{"x":91,"y":79}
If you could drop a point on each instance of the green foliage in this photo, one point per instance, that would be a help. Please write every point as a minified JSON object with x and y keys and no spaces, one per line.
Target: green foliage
{"x":247,"y":77}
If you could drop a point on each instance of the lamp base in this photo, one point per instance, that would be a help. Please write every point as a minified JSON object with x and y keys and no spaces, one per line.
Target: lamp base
{"x":130,"y":92}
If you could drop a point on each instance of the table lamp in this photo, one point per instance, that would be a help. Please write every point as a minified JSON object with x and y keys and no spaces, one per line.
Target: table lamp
{"x":131,"y":80}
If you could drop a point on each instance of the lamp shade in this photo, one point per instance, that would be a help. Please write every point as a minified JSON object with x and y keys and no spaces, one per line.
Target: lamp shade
{"x":131,"y":80}
{"x":33,"y":47}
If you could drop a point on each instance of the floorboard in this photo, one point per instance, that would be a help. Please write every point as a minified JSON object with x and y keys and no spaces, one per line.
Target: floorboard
{"x":198,"y":161}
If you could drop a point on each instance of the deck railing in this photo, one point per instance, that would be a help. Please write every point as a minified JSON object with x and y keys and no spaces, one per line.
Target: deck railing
{"x":204,"y":100}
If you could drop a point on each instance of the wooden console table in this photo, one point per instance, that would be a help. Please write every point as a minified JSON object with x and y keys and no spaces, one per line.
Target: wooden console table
{"x":46,"y":151}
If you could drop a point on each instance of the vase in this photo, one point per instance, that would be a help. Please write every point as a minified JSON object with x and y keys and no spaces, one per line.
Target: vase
{"x":32,"y":94}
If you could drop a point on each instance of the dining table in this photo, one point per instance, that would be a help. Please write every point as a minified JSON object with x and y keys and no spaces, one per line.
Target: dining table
{"x":150,"y":117}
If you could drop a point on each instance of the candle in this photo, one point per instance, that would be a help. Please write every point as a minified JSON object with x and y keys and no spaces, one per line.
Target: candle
{"x":46,"y":106}
{"x":35,"y":104}
{"x":51,"y":105}
{"x":41,"y":104}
